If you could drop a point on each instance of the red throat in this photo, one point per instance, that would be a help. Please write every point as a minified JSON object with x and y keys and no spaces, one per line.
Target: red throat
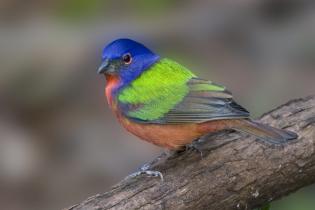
{"x":112,"y":81}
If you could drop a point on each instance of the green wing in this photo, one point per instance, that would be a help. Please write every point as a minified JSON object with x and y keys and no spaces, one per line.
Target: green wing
{"x":168,"y":93}
{"x":205,"y":101}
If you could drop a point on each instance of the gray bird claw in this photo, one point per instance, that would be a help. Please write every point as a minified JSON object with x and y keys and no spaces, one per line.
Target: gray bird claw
{"x":145,"y":169}
{"x":146,"y":172}
{"x":194,"y":147}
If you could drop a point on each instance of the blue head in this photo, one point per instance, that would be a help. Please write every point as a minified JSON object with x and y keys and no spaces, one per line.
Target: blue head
{"x":127,"y":59}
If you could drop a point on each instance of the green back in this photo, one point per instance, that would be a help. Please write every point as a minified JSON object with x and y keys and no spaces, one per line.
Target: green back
{"x":169,"y":93}
{"x":157,"y":90}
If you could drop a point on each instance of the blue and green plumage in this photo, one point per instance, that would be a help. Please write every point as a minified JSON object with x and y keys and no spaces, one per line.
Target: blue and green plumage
{"x":161,"y":101}
{"x":167,"y":92}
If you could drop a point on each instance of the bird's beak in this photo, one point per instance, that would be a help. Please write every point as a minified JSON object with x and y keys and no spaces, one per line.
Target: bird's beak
{"x":103,"y":67}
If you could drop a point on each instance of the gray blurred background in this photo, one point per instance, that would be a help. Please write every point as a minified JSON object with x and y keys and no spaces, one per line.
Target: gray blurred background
{"x":59,"y":142}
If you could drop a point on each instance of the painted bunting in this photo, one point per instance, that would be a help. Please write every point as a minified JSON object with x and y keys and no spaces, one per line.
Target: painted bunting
{"x":164,"y":103}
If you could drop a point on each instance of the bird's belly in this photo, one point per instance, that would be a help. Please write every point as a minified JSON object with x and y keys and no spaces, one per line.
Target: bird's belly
{"x":170,"y":136}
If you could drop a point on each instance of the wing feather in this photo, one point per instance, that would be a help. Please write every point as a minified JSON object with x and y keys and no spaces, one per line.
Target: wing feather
{"x":180,"y":97}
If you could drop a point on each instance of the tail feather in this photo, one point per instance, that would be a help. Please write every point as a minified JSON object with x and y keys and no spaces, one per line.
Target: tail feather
{"x":265,"y":132}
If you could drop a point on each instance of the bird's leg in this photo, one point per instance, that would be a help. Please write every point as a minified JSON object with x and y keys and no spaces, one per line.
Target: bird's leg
{"x":204,"y":143}
{"x":146,"y":172}
{"x":146,"y":168}
{"x":195,"y":147}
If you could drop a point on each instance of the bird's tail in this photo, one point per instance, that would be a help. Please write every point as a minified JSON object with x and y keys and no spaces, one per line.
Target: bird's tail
{"x":264,"y":132}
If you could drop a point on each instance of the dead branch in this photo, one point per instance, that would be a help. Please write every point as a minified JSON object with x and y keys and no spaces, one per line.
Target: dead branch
{"x":236,"y":172}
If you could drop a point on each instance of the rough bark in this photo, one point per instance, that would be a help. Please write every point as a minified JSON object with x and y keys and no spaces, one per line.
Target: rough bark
{"x":235,"y":172}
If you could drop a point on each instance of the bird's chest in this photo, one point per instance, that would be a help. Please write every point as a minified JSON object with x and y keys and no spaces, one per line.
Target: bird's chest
{"x":113,"y":82}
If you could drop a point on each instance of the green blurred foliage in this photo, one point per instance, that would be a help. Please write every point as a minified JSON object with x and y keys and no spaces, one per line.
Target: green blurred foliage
{"x":301,"y":200}
{"x":75,"y":10}
{"x":155,"y":7}
{"x":79,"y":10}
{"x":266,"y":207}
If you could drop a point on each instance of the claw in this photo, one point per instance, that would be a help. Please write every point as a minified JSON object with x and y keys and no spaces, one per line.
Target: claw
{"x":195,"y":147}
{"x":146,"y":172}
{"x":146,"y":168}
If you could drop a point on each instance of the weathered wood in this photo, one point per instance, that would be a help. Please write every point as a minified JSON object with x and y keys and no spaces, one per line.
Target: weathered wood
{"x":236,"y":173}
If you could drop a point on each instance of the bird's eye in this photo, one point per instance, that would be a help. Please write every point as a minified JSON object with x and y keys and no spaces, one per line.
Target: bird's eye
{"x":127,"y":58}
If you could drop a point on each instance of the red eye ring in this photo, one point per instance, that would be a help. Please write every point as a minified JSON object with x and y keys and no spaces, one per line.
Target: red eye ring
{"x":127,"y":58}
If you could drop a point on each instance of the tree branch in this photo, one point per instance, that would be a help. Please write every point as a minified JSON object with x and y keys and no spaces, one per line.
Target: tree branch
{"x":236,"y":172}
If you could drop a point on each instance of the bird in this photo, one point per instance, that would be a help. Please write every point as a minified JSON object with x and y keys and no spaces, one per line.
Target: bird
{"x":164,"y":103}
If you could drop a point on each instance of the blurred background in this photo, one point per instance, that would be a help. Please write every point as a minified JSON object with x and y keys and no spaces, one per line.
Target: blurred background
{"x":59,"y":142}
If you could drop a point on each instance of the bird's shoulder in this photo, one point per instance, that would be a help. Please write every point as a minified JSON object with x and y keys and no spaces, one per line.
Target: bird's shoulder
{"x":165,"y":77}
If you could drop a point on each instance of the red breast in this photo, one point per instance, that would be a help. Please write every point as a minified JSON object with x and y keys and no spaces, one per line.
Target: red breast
{"x":112,"y":83}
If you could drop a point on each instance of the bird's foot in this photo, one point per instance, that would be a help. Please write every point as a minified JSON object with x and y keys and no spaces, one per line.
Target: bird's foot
{"x":194,"y":147}
{"x":144,"y":170}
